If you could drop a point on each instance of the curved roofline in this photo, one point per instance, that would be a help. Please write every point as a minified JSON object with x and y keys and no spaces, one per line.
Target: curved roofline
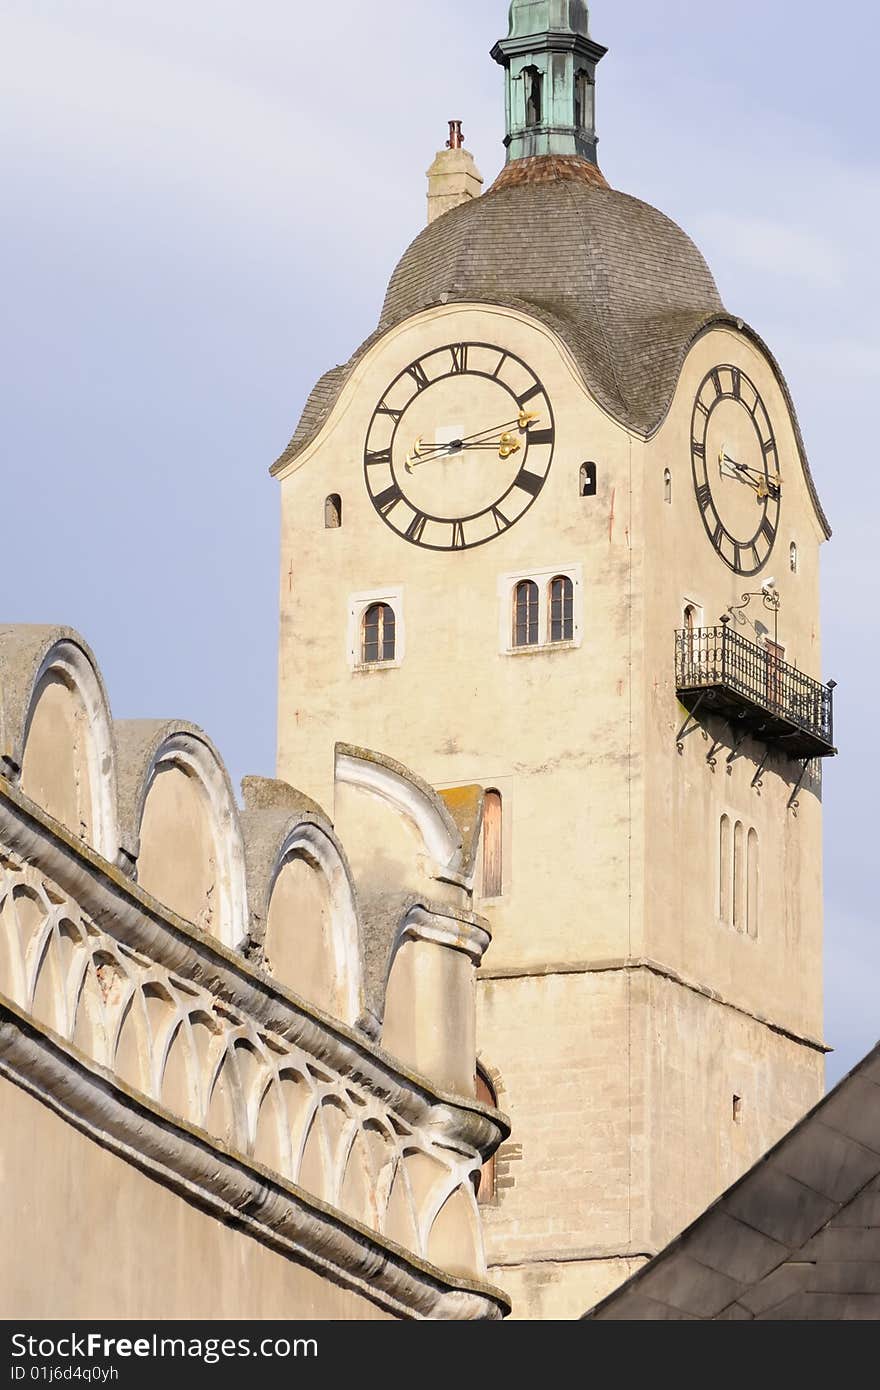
{"x":740,"y":326}
{"x":326,"y":394}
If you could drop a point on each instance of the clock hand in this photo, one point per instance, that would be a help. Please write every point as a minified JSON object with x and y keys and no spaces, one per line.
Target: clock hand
{"x":523,"y":422}
{"x":754,"y":477}
{"x":505,"y":442}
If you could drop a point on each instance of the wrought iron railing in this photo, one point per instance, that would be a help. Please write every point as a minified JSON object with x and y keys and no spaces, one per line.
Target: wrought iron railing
{"x":719,"y":658}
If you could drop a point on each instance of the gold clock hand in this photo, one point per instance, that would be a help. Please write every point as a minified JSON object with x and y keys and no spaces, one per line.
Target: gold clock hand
{"x":482,"y":439}
{"x":754,"y":477}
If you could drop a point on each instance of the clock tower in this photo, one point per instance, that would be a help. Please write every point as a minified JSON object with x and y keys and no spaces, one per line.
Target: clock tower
{"x":552,"y":531}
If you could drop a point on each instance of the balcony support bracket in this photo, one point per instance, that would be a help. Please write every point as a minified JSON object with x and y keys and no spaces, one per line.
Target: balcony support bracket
{"x":734,"y":752}
{"x":793,"y":800}
{"x":690,"y":724}
{"x":758,"y":779}
{"x":712,"y":755}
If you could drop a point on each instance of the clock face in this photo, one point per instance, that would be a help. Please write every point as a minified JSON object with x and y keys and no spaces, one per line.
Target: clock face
{"x":736,"y":469}
{"x":459,"y":447}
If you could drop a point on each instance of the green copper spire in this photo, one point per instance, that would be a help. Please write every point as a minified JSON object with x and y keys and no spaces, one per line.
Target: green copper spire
{"x":550,"y":61}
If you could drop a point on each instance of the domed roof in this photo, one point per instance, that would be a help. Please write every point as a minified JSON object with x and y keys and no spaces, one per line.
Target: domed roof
{"x":619,"y":283}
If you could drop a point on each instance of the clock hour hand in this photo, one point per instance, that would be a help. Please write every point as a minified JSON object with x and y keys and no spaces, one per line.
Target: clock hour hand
{"x":500,"y":437}
{"x":753,"y":477}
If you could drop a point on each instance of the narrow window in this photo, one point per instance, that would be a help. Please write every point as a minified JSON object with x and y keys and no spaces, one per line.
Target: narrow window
{"x":737,"y":1110}
{"x":333,"y":512}
{"x":794,"y":559}
{"x":485,"y":1093}
{"x":692,"y":641}
{"x":725,"y":884}
{"x":534,"y":84}
{"x":589,"y":480}
{"x":739,"y":877}
{"x":379,"y":634}
{"x":525,"y":618}
{"x":584,"y":101}
{"x":493,"y":849}
{"x":667,"y":486}
{"x":561,"y":610}
{"x":754,"y":886}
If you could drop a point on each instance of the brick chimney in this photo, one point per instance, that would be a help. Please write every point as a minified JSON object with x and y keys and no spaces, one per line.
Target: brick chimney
{"x":453,"y":178}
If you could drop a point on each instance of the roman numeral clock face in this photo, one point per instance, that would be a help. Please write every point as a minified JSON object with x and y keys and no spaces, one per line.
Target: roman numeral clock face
{"x":459,"y":447}
{"x":736,"y":469}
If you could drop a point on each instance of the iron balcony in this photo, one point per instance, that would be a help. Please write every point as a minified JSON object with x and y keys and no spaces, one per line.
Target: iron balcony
{"x":724,"y":673}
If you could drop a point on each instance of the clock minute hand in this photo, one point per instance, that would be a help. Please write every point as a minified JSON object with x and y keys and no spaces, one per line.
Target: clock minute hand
{"x":498,"y":436}
{"x":754,"y":477}
{"x":523,"y":423}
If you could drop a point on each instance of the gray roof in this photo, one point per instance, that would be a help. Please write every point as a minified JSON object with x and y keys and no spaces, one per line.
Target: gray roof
{"x":796,"y":1239}
{"x":621,"y":284}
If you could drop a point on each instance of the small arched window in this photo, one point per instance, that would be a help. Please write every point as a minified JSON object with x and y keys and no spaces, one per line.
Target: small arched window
{"x":333,"y":512}
{"x":794,"y":559}
{"x":589,"y":480}
{"x":692,"y":637}
{"x":740,"y":877}
{"x":526,"y":614}
{"x":667,"y":485}
{"x":561,"y":610}
{"x":725,"y":886}
{"x":534,"y":86}
{"x":485,"y":1093}
{"x":754,"y":886}
{"x":493,"y":845}
{"x":379,"y":634}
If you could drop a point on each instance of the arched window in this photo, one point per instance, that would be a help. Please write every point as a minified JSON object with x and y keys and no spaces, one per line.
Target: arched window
{"x":561,"y":610}
{"x":589,"y":482}
{"x":740,"y":877}
{"x":379,"y":634}
{"x":333,"y":512}
{"x":534,"y":86}
{"x":667,"y":485}
{"x":526,"y":614}
{"x":692,"y":639}
{"x":584,"y":101}
{"x":493,"y":845}
{"x":754,"y":886}
{"x":725,"y":886}
{"x":793,"y":557}
{"x":485,"y":1093}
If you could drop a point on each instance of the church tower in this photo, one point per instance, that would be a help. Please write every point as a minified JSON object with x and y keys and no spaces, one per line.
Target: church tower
{"x":552,"y":531}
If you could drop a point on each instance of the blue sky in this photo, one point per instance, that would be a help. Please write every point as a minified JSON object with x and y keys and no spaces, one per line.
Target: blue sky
{"x":203,"y":201}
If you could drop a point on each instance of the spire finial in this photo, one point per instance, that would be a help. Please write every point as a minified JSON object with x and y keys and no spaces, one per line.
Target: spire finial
{"x":550,"y":61}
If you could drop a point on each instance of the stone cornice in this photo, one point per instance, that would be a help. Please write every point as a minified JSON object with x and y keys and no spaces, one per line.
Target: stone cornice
{"x":139,"y":923}
{"x":633,"y":963}
{"x":460,"y":931}
{"x":228,"y":1186}
{"x":551,"y":41}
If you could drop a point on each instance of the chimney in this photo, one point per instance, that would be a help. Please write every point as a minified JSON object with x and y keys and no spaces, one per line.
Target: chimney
{"x":453,"y":178}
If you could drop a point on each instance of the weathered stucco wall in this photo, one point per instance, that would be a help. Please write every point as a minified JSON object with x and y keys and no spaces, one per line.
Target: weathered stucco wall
{"x":194,"y":993}
{"x":85,"y":1235}
{"x":610,"y":832}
